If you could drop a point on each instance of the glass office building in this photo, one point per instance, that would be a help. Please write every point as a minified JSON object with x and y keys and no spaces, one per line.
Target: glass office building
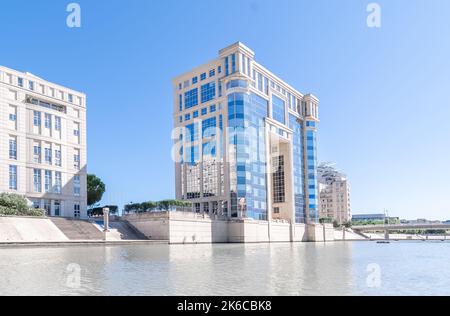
{"x":245,"y":143}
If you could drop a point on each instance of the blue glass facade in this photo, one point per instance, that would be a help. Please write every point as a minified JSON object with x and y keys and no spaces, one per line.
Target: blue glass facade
{"x":278,"y":109}
{"x":247,"y":145}
{"x":298,"y":168}
{"x":311,"y":149}
{"x":208,"y":92}
{"x":229,"y":101}
{"x":191,"y":98}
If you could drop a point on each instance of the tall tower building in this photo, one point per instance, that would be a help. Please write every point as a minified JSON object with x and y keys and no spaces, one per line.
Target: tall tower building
{"x":43,"y":143}
{"x":245,"y":141}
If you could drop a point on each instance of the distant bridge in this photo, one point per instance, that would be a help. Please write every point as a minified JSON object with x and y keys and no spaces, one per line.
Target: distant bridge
{"x":393,"y":227}
{"x":401,"y":227}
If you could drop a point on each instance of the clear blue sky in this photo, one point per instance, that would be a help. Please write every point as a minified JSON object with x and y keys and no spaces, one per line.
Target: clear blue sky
{"x":384,"y":93}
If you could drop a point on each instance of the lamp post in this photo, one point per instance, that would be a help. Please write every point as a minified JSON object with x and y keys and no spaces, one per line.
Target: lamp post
{"x":105,"y":222}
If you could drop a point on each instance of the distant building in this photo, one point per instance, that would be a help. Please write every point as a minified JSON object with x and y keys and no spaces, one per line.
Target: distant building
{"x":368,"y":217}
{"x":334,"y":194}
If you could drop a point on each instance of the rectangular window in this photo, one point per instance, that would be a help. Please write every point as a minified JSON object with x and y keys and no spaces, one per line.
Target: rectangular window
{"x":209,"y":127}
{"x":31,"y":85}
{"x":37,"y":180}
{"x":48,"y":156}
{"x":13,"y":177}
{"x":260,"y":82}
{"x":203,"y":76}
{"x":233,"y":63}
{"x":57,"y":123}
{"x":195,"y":114}
{"x":76,"y":186}
{"x":180,"y":119}
{"x":36,"y":204}
{"x":58,"y":161}
{"x":194,"y":80}
{"x":58,"y":182}
{"x":192,"y":132}
{"x":278,"y":109}
{"x":48,"y":207}
{"x":212,"y":108}
{"x":20,"y":82}
{"x":76,"y":161}
{"x":37,"y":118}
{"x":13,"y":148}
{"x":70,"y":98}
{"x":212,"y":72}
{"x":76,"y":210}
{"x":48,"y":120}
{"x":12,"y":117}
{"x":9,"y":78}
{"x":48,"y":181}
{"x":204,"y":111}
{"x":37,"y":153}
{"x":191,"y":98}
{"x":57,"y":208}
{"x":219,"y":69}
{"x":180,"y":102}
{"x":278,"y":180}
{"x":208,"y":92}
{"x":227,"y":67}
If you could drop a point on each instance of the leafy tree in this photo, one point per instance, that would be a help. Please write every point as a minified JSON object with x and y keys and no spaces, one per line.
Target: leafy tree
{"x":95,"y":189}
{"x":98,"y":211}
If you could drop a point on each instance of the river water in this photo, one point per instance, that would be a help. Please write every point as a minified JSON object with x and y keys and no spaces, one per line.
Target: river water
{"x":351,"y":268}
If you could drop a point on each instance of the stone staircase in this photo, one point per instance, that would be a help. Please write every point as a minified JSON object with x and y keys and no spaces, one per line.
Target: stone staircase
{"x":77,"y":229}
{"x":120,"y":230}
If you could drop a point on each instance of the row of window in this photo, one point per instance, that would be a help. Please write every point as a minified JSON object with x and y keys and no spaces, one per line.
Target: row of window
{"x":195,"y":114}
{"x":46,"y":204}
{"x":203,"y":76}
{"x":42,"y":89}
{"x":207,"y":93}
{"x":51,"y":184}
{"x":48,"y":154}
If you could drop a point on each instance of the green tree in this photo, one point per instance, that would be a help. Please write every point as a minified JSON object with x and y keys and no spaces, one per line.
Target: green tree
{"x":95,"y":190}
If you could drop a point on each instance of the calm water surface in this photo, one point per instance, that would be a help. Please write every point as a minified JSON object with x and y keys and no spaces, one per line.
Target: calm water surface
{"x":358,"y":268}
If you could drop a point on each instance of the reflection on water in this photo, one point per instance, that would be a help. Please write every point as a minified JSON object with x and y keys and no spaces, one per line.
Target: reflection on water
{"x":255,"y":269}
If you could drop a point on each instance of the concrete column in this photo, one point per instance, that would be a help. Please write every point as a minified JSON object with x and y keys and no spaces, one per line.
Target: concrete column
{"x":105,"y":222}
{"x":386,"y":234}
{"x":292,"y":183}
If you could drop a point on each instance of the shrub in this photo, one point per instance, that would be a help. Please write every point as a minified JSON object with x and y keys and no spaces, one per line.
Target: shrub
{"x":16,"y":205}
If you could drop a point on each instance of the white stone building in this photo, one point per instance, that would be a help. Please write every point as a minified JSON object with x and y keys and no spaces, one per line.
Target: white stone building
{"x":43,"y":143}
{"x":334,"y":194}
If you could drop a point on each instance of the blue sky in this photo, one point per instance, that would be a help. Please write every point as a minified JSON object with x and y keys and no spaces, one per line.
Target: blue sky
{"x":384,"y":92}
